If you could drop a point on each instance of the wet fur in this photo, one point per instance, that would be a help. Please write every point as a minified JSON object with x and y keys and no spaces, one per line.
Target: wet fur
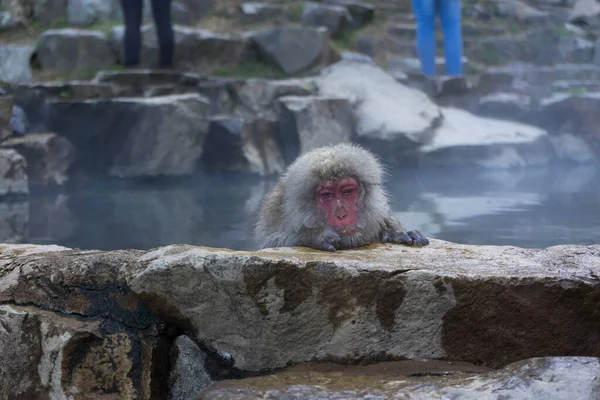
{"x":289,"y":216}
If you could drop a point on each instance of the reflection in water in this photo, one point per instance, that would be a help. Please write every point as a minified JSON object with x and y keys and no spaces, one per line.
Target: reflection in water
{"x":533,"y":208}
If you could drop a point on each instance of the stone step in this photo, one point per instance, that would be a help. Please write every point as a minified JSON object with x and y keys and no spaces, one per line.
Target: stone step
{"x":471,"y":31}
{"x":543,"y":75}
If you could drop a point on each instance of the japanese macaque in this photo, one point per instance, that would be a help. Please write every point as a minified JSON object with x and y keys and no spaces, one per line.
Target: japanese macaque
{"x":331,"y":198}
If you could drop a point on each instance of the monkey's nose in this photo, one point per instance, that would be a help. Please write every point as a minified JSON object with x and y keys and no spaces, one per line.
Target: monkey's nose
{"x":341,"y":214}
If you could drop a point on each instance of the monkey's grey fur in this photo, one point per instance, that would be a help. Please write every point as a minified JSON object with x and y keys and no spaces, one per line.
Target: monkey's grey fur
{"x":289,"y":215}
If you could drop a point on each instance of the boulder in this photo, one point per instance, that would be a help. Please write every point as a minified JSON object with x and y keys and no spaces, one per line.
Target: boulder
{"x":13,"y":173}
{"x":259,"y":96}
{"x":75,"y":90}
{"x":72,"y":346}
{"x":294,"y":49}
{"x":336,"y":19}
{"x":464,"y":138}
{"x":48,"y":157}
{"x":8,"y":21}
{"x":6,"y":112}
{"x":362,"y":12}
{"x":87,"y":12}
{"x":243,"y":145}
{"x":133,"y":137}
{"x":196,"y":50}
{"x":68,"y":50}
{"x":187,"y":378}
{"x":506,"y":105}
{"x":535,"y":378}
{"x":302,"y":305}
{"x":520,"y":10}
{"x":574,"y":114}
{"x":254,"y":12}
{"x":256,"y":311}
{"x":14,"y":63}
{"x":308,"y":122}
{"x":199,"y":9}
{"x":135,"y":82}
{"x":391,"y":118}
{"x":48,"y":11}
{"x":586,"y":13}
{"x":180,"y":13}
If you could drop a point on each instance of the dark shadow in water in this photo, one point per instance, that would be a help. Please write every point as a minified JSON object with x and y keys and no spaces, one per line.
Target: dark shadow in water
{"x":533,"y":208}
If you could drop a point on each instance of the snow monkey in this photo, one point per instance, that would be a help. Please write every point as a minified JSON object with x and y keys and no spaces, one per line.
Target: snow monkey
{"x":331,"y":198}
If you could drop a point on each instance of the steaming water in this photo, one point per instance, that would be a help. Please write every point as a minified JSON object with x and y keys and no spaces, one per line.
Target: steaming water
{"x":533,"y":208}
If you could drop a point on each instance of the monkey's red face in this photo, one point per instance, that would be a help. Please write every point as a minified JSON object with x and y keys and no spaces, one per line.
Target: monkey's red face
{"x":338,"y":200}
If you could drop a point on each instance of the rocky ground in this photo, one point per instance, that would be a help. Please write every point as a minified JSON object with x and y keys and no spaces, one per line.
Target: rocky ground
{"x":167,"y":323}
{"x":255,"y":82}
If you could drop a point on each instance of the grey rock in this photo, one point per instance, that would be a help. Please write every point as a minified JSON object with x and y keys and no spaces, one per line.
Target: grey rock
{"x":180,"y":14}
{"x":48,"y":157}
{"x":133,"y":137}
{"x":586,"y":12}
{"x":14,"y":63}
{"x":487,"y":142}
{"x":87,"y":12}
{"x":303,"y":305}
{"x":18,"y":121}
{"x":13,"y":173}
{"x":362,"y":13}
{"x":366,"y":45}
{"x":276,"y":307}
{"x":576,"y":49}
{"x":36,"y":346}
{"x":391,"y":118}
{"x":187,"y":377}
{"x":6,"y":112}
{"x":196,"y":50}
{"x":243,"y":145}
{"x":75,"y":90}
{"x":294,"y":49}
{"x":548,"y":378}
{"x":519,"y":10}
{"x":259,"y":96}
{"x":48,"y":11}
{"x":309,"y":122}
{"x":199,"y":9}
{"x":336,"y":19}
{"x":68,"y":50}
{"x":571,"y":113}
{"x":8,"y":21}
{"x":597,"y":53}
{"x":503,"y":105}
{"x":255,"y":12}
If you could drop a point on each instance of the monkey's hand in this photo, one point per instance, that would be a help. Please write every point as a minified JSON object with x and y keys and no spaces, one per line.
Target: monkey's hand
{"x":321,"y":239}
{"x":394,"y":232}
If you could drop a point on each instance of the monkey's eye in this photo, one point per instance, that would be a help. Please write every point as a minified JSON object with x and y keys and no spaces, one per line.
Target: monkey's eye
{"x":326,"y":195}
{"x":348,"y":191}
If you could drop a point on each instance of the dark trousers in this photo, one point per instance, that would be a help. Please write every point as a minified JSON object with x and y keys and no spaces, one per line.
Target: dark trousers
{"x":132,"y":12}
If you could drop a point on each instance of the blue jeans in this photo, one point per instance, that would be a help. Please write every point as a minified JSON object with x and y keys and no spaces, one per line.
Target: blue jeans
{"x":450,"y":17}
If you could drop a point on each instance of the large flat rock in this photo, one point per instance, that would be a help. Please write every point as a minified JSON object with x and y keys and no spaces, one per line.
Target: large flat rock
{"x":487,"y":305}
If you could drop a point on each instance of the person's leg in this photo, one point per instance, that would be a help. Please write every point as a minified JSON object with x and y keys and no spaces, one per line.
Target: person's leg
{"x":424,"y":11}
{"x":161,"y":10}
{"x":450,"y":15}
{"x":132,"y":41}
